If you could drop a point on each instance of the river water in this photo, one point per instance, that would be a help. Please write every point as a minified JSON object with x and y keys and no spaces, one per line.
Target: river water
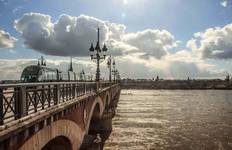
{"x":176,"y":120}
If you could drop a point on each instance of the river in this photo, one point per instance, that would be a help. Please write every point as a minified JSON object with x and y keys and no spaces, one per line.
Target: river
{"x":172,"y":119}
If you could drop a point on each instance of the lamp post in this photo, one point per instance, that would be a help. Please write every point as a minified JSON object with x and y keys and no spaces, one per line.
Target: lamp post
{"x":118,"y":76}
{"x":91,"y":77}
{"x":114,"y":71}
{"x":109,"y":63}
{"x":96,"y":54}
{"x":82,"y":75}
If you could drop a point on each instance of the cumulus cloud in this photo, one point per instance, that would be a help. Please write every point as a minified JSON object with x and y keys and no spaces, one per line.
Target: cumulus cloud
{"x":154,"y":43}
{"x":68,"y":36}
{"x":143,"y":54}
{"x":6,"y":40}
{"x":214,"y":43}
{"x":224,"y":3}
{"x":191,"y":44}
{"x":71,"y":35}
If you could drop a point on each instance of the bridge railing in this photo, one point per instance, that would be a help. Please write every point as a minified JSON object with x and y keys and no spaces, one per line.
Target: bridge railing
{"x":19,"y":100}
{"x":106,"y":84}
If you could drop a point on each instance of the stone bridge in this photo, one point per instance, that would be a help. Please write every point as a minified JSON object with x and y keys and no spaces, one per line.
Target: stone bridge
{"x":56,"y":115}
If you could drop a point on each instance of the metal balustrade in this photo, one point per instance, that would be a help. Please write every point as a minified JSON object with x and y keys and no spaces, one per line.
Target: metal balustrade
{"x":19,"y":100}
{"x":105,"y":84}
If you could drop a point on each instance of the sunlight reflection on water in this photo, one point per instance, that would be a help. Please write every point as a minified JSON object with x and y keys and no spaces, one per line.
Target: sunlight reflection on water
{"x":164,"y":119}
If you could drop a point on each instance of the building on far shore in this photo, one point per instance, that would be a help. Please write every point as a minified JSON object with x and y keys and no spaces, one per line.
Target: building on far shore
{"x":176,"y":84}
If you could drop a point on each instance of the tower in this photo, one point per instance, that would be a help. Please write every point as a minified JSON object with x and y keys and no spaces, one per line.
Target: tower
{"x":70,"y":66}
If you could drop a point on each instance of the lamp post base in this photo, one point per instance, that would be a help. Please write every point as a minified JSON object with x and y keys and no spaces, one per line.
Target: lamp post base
{"x":98,"y":86}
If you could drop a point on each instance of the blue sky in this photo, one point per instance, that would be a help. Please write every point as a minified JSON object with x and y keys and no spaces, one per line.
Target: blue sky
{"x":180,"y":18}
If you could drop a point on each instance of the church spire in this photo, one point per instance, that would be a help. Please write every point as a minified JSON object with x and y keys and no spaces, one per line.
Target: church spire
{"x":71,"y":66}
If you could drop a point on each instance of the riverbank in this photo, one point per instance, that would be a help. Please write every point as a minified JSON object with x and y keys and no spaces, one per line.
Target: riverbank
{"x":216,"y":84}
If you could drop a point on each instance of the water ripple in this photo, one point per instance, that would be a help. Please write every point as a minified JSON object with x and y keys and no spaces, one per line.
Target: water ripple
{"x":176,"y":120}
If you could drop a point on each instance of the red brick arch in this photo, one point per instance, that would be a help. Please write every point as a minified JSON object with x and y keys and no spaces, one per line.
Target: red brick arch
{"x":64,"y":128}
{"x":107,"y":99}
{"x":97,"y":104}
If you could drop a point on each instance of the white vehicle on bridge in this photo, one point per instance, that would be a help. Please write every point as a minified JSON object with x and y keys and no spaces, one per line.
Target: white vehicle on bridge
{"x":42,"y":73}
{"x":36,"y":73}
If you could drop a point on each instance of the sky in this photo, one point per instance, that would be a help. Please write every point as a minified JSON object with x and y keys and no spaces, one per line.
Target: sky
{"x":173,"y":39}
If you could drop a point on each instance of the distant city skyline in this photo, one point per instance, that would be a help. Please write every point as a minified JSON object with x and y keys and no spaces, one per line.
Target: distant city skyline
{"x":170,"y":39}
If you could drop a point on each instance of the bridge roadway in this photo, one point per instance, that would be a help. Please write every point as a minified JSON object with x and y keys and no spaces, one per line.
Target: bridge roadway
{"x":57,"y":115}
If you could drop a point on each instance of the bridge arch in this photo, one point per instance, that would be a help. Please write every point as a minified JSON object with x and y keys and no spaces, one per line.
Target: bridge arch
{"x":58,"y":143}
{"x":107,"y":100}
{"x":64,"y":130}
{"x":96,"y":112}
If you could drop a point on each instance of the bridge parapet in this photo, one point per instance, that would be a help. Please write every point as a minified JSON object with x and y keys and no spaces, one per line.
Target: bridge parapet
{"x":29,"y":107}
{"x":19,"y":100}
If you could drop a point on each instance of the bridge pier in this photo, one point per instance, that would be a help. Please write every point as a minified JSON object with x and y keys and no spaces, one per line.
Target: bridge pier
{"x":99,"y":132}
{"x":100,"y":128}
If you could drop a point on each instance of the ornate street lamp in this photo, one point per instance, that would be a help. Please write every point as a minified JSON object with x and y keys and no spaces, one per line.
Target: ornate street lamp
{"x":109,"y":64}
{"x":114,"y":71}
{"x":96,"y":54}
{"x":90,"y":77}
{"x":118,"y":76}
{"x":82,"y":75}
